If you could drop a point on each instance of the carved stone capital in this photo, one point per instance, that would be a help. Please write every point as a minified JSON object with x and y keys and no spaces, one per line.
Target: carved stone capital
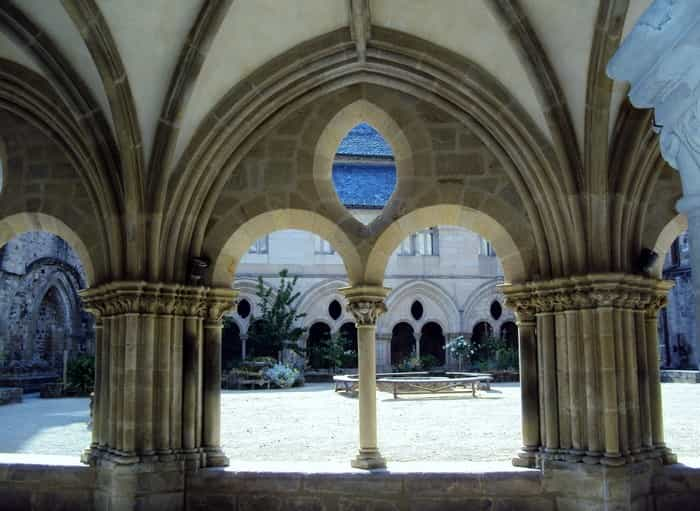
{"x":366,"y":303}
{"x":520,"y":300}
{"x":119,"y":298}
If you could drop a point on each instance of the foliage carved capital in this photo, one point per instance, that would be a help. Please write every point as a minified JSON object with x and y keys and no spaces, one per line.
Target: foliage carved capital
{"x":120,"y":298}
{"x":366,"y":303}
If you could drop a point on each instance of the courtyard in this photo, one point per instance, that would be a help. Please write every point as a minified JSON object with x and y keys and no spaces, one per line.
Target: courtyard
{"x":313,"y":423}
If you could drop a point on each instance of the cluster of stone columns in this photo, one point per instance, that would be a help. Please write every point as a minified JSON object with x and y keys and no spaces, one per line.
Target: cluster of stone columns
{"x":158,"y":373}
{"x":589,"y":369}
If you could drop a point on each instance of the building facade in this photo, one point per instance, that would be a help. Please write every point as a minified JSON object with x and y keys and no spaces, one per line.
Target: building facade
{"x":454,"y":281}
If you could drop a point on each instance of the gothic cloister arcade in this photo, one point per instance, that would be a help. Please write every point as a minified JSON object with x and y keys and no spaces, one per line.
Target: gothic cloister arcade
{"x":161,"y":139}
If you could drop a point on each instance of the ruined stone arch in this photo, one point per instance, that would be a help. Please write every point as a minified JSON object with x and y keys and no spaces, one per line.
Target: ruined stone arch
{"x":21,"y":223}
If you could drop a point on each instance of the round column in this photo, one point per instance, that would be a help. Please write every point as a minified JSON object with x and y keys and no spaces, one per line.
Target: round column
{"x":366,"y":304}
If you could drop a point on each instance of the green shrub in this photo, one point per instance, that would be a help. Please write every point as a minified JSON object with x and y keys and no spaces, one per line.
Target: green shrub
{"x":428,"y":362}
{"x":80,"y":375}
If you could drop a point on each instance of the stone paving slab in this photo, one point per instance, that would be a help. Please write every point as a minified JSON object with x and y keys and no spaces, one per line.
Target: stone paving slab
{"x":314,"y":424}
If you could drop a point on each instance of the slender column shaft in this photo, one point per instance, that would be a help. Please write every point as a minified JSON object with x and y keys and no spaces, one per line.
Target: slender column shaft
{"x":190,"y":382}
{"x":367,"y":388}
{"x":145,"y":384}
{"x":576,"y":386}
{"x":632,"y":383}
{"x":622,"y":367}
{"x":118,"y":367}
{"x":529,"y":388}
{"x":562,"y":370}
{"x":540,"y":379}
{"x":211,"y":434}
{"x":655,"y":405}
{"x":609,"y":384}
{"x":104,"y":405}
{"x":644,"y":385}
{"x":98,"y":398}
{"x":130,"y":372}
{"x":591,"y":358}
{"x":163,"y":385}
{"x":546,"y":331}
{"x":176,"y":379}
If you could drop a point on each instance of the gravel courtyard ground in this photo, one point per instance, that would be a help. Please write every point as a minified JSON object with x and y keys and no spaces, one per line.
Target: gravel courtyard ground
{"x":313,"y":423}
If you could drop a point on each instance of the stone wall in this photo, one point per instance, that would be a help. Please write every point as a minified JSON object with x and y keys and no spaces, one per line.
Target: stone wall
{"x":40,"y":311}
{"x":38,"y":483}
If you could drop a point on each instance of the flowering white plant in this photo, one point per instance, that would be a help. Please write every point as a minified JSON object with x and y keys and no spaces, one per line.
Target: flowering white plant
{"x":461,"y":349}
{"x":281,"y":375}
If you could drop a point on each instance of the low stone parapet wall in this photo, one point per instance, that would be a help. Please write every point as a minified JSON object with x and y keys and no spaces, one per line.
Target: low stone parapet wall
{"x":10,"y":395}
{"x":38,"y":483}
{"x":333,"y":487}
{"x":35,"y":482}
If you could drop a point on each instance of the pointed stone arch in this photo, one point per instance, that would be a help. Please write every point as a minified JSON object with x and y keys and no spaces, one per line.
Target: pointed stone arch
{"x":229,"y":255}
{"x":508,"y":251}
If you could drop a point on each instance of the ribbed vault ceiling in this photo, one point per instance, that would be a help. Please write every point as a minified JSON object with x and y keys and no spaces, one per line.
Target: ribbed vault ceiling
{"x":150,"y":37}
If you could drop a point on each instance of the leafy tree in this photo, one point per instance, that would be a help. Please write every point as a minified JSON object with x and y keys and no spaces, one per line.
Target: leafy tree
{"x":81,"y":374}
{"x":276,"y":328}
{"x":337,"y":351}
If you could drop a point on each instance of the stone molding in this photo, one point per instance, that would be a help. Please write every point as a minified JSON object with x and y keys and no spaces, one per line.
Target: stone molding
{"x":365,"y":303}
{"x":120,"y":298}
{"x":619,"y":290}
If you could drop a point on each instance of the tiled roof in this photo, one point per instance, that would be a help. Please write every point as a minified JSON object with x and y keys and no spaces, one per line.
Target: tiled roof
{"x":364,"y":186}
{"x":364,"y":140}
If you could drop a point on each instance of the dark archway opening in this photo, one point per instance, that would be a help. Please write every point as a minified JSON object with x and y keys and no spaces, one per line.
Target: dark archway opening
{"x":319,"y":334}
{"x":254,"y":350}
{"x":481,"y":334}
{"x":509,"y":333}
{"x":231,"y":347}
{"x":349,"y":334}
{"x":403,"y":343}
{"x":432,"y":345}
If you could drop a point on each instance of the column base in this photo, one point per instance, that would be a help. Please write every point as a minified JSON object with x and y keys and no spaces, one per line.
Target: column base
{"x":368,"y":460}
{"x":526,"y":458}
{"x":215,"y":457}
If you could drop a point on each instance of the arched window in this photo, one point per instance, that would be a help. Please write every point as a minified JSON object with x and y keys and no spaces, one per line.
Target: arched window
{"x":364,"y":172}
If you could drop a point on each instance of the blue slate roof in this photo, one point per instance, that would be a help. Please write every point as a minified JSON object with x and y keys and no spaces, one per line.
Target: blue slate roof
{"x":362,"y":185}
{"x":364,"y":140}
